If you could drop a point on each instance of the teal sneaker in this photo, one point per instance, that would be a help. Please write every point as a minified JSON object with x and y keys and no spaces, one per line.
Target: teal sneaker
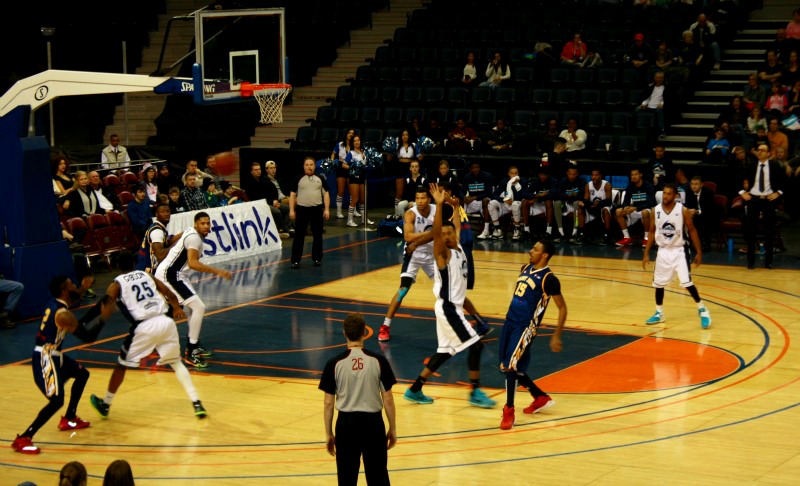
{"x":99,"y":405}
{"x":656,"y":318}
{"x":479,"y":399}
{"x":705,"y":318}
{"x":417,"y":397}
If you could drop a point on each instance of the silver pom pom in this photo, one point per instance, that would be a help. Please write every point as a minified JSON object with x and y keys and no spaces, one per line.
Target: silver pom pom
{"x":390,"y":145}
{"x":425,"y":144}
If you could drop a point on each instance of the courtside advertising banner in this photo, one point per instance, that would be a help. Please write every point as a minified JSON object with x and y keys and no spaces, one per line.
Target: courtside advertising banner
{"x":237,"y":230}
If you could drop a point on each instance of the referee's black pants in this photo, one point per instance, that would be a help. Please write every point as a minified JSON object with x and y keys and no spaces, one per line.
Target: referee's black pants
{"x":303,"y":215}
{"x":361,"y":434}
{"x":756,"y":207}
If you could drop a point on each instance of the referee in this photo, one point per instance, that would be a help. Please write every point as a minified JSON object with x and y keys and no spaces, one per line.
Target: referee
{"x":360,"y":383}
{"x":308,"y":203}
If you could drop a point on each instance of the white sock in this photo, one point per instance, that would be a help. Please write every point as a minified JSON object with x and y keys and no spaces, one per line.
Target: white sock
{"x":645,"y":234}
{"x":625,"y":234}
{"x":527,"y":228}
{"x":549,"y":230}
{"x":574,"y":231}
{"x":486,"y":227}
{"x":109,"y":398}
{"x":339,"y":201}
{"x":387,"y":321}
{"x":701,"y":305}
{"x":660,"y":308}
{"x":185,"y":379}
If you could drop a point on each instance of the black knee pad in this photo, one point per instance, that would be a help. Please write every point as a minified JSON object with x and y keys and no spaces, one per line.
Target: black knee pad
{"x":437,"y":360}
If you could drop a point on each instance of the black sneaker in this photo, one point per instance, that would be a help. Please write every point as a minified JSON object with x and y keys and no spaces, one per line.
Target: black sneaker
{"x":99,"y":405}
{"x":195,"y":360}
{"x":199,"y":411}
{"x":317,"y":263}
{"x":205,"y":353}
{"x":295,"y":266}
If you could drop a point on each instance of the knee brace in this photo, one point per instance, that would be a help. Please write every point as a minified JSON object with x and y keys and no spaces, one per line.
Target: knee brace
{"x":437,"y":360}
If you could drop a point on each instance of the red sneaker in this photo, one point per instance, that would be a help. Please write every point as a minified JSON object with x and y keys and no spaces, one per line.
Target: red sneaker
{"x":72,"y":424}
{"x":24,"y":445}
{"x":625,"y":242}
{"x":383,"y":333}
{"x":508,"y":418}
{"x":539,"y":404}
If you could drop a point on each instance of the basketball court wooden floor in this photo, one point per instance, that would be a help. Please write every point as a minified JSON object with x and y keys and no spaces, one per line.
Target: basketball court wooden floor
{"x":636,"y":404}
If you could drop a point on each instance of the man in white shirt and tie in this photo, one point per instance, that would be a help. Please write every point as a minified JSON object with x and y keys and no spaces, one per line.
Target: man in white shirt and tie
{"x":114,"y":155}
{"x":765,"y":188}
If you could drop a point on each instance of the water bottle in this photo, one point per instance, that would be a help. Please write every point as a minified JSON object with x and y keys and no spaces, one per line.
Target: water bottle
{"x":545,"y":160}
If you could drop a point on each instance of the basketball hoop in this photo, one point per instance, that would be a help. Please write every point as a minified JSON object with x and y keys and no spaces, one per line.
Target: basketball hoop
{"x":270,"y":99}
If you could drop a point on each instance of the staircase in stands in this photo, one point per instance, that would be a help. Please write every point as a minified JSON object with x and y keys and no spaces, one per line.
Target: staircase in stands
{"x":306,"y":99}
{"x":144,"y":107}
{"x":686,"y":140}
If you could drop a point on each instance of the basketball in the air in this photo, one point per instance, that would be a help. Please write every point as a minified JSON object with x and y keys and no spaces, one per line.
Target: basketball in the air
{"x":227,"y":163}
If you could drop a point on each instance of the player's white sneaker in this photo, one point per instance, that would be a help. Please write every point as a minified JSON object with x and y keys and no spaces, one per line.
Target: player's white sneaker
{"x":484,"y":235}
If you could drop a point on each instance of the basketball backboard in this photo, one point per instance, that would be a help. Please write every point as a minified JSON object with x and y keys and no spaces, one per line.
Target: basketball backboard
{"x":235,"y":46}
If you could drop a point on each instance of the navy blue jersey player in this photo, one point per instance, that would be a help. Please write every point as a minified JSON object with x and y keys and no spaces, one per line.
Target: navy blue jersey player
{"x":536,"y":285}
{"x":51,"y":367}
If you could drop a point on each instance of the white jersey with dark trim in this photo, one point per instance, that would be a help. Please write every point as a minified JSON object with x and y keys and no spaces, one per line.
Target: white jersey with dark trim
{"x":421,"y":225}
{"x":139,"y":298}
{"x":669,"y":226}
{"x":177,"y":260}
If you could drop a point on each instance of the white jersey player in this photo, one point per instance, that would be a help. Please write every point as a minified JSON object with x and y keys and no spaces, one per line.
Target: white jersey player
{"x":142,"y":299}
{"x":172,"y":271}
{"x":667,"y":224}
{"x":453,"y":331}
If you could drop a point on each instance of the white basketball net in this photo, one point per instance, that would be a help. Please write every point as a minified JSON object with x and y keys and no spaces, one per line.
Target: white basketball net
{"x":271,"y":102}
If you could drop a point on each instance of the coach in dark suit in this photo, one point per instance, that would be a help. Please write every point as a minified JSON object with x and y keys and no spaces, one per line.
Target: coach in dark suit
{"x":762,"y":195}
{"x":700,"y":203}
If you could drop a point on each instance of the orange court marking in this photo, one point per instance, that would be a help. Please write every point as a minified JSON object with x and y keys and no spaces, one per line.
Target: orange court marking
{"x":644,"y":365}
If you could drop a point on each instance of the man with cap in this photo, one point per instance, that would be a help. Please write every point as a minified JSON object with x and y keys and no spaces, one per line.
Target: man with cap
{"x":282,"y":201}
{"x":227,"y":198}
{"x":139,"y":212}
{"x":165,"y":181}
{"x":640,"y":55}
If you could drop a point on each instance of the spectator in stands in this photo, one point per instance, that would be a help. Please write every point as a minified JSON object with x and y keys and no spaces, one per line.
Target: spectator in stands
{"x":664,"y":59}
{"x":575,"y":138}
{"x":793,"y":99}
{"x":257,"y":187}
{"x":228,"y":197}
{"x":470,"y":77}
{"x":461,"y":138}
{"x":339,"y":153}
{"x":118,"y":473}
{"x":781,"y":45}
{"x":548,"y":137}
{"x":272,"y":170}
{"x":735,"y":113}
{"x":690,"y":58}
{"x":477,"y":187}
{"x":754,"y":94}
{"x":444,"y":175}
{"x":166,"y":180}
{"x":570,"y":203}
{"x":655,"y":102}
{"x":771,"y":70}
{"x":14,"y":290}
{"x":639,"y":198}
{"x":705,"y":35}
{"x":592,"y":60}
{"x":176,"y":202}
{"x":777,"y":103}
{"x":735,"y":175}
{"x":682,"y":184}
{"x":640,"y":55}
{"x":414,"y":130}
{"x":755,"y":121}
{"x":791,"y":71}
{"x":59,"y":168}
{"x":793,"y":27}
{"x":108,"y":199}
{"x":210,"y":191}
{"x":700,"y":203}
{"x":83,"y":201}
{"x":140,"y":211}
{"x":717,"y":148}
{"x":575,"y":51}
{"x":661,"y":170}
{"x":149,"y":178}
{"x":399,"y":163}
{"x":199,"y":175}
{"x":436,"y":133}
{"x":114,"y":155}
{"x":211,"y":171}
{"x":501,"y":138}
{"x":776,"y":137}
{"x":497,"y":72}
{"x":192,"y":196}
{"x":412,"y":182}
